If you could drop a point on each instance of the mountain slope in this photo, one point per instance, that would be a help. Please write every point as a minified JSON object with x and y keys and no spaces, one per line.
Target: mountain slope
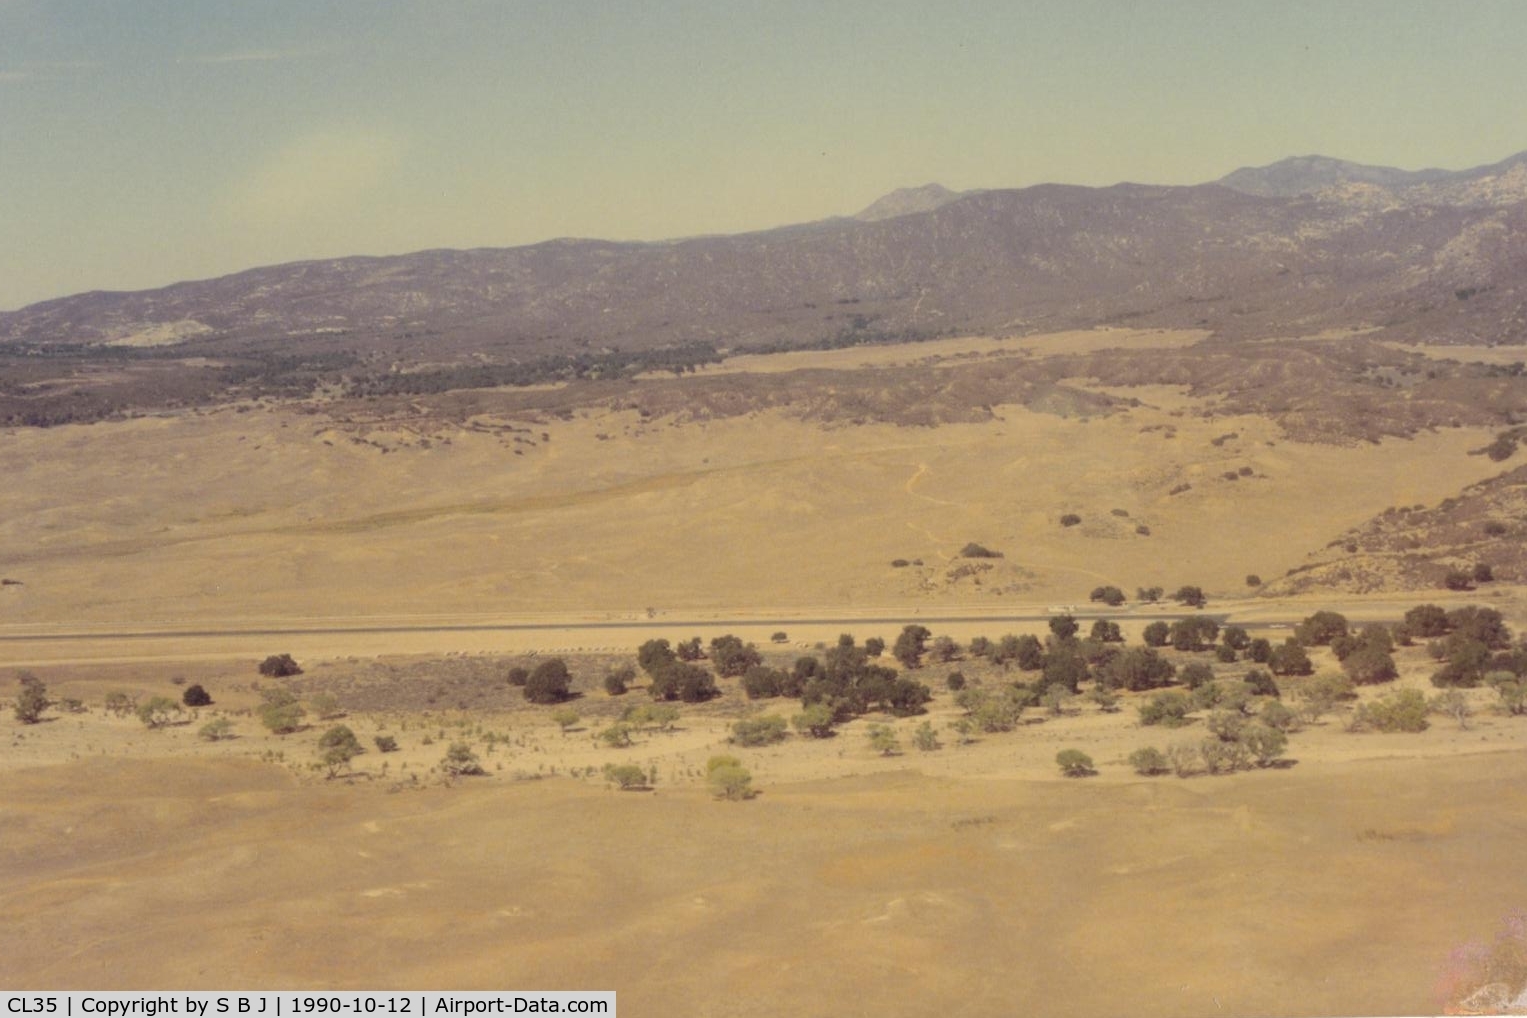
{"x":1038,"y":259}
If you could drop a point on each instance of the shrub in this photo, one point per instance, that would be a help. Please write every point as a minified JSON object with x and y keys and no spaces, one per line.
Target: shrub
{"x":1403,"y":710}
{"x":974,"y":550}
{"x":618,"y":680}
{"x":883,"y":740}
{"x":1222,"y":757}
{"x":549,"y":682}
{"x":1260,"y":683}
{"x":732,"y":657}
{"x":761,"y":682}
{"x":625,"y":777}
{"x":1184,"y":758}
{"x":1224,"y":655}
{"x":1259,"y":650}
{"x":1169,"y":709}
{"x":1073,"y":763}
{"x":195,"y":696}
{"x":1369,"y":664}
{"x":780,"y":637}
{"x":32,"y":699}
{"x":279,"y":666}
{"x":1483,"y":573}
{"x":1149,"y":760}
{"x":728,"y":779}
{"x":1225,"y":725}
{"x":157,"y":711}
{"x":1426,"y":621}
{"x":337,"y":747}
{"x":460,"y":761}
{"x":925,"y":738}
{"x":682,"y":681}
{"x":1458,"y":579}
{"x":1455,"y":704}
{"x":280,"y":712}
{"x":1264,"y":742}
{"x":1511,"y":690}
{"x":759,"y":731}
{"x":385,"y":744}
{"x":1253,"y":580}
{"x":1070,"y":520}
{"x":1276,"y":715}
{"x":955,"y":681}
{"x":817,"y":720}
{"x":617,"y":736}
{"x":1319,"y":695}
{"x":216,"y":730}
{"x":518,"y":676}
{"x":1137,"y":669}
{"x":566,"y":718}
{"x":1195,"y":674}
{"x":119,"y":704}
{"x":326,"y":706}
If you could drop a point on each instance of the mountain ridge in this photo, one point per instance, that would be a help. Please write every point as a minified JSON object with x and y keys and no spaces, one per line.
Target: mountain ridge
{"x":1436,"y":256}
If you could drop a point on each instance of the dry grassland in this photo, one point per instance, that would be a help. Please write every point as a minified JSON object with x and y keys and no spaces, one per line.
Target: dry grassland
{"x":970,"y":881}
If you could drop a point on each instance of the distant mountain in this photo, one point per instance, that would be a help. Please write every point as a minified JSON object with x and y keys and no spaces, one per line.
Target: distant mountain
{"x":1298,"y":175}
{"x":1432,"y":255}
{"x":1497,"y":183}
{"x":908,"y":200}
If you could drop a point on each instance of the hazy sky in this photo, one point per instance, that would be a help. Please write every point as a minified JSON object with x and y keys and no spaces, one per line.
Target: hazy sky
{"x":148,"y":141}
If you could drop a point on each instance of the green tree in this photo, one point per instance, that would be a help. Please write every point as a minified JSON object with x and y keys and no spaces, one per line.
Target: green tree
{"x":1259,"y":650}
{"x":1290,"y":659}
{"x":1321,"y":628}
{"x":1368,"y":665}
{"x":1426,"y":621}
{"x":683,"y":681}
{"x":1074,"y":763}
{"x":1105,"y":631}
{"x":617,"y":680}
{"x":761,"y":682}
{"x":732,"y":657}
{"x":1064,"y":627}
{"x":337,"y":747}
{"x":762,"y":730}
{"x":911,"y":645}
{"x":816,"y":720}
{"x":549,"y":682}
{"x":460,"y":761}
{"x":31,"y":699}
{"x":280,"y":712}
{"x":1169,"y":709}
{"x":728,"y":779}
{"x":120,"y":704}
{"x":279,"y":666}
{"x":1403,"y":710}
{"x":1137,"y":669}
{"x":626,"y":777}
{"x":1111,"y":596}
{"x":1191,"y":596}
{"x":216,"y":730}
{"x":566,"y":718}
{"x":158,"y":711}
{"x":1148,"y":760}
{"x":1235,"y":637}
{"x":1156,"y":634}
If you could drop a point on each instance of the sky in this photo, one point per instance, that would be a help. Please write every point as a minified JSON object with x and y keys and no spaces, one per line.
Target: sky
{"x":144,"y":142}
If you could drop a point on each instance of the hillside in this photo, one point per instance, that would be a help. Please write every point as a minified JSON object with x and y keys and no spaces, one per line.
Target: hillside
{"x":1444,"y":264}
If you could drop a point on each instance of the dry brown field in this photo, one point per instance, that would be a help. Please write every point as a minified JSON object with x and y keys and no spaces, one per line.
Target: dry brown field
{"x":971,"y":880}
